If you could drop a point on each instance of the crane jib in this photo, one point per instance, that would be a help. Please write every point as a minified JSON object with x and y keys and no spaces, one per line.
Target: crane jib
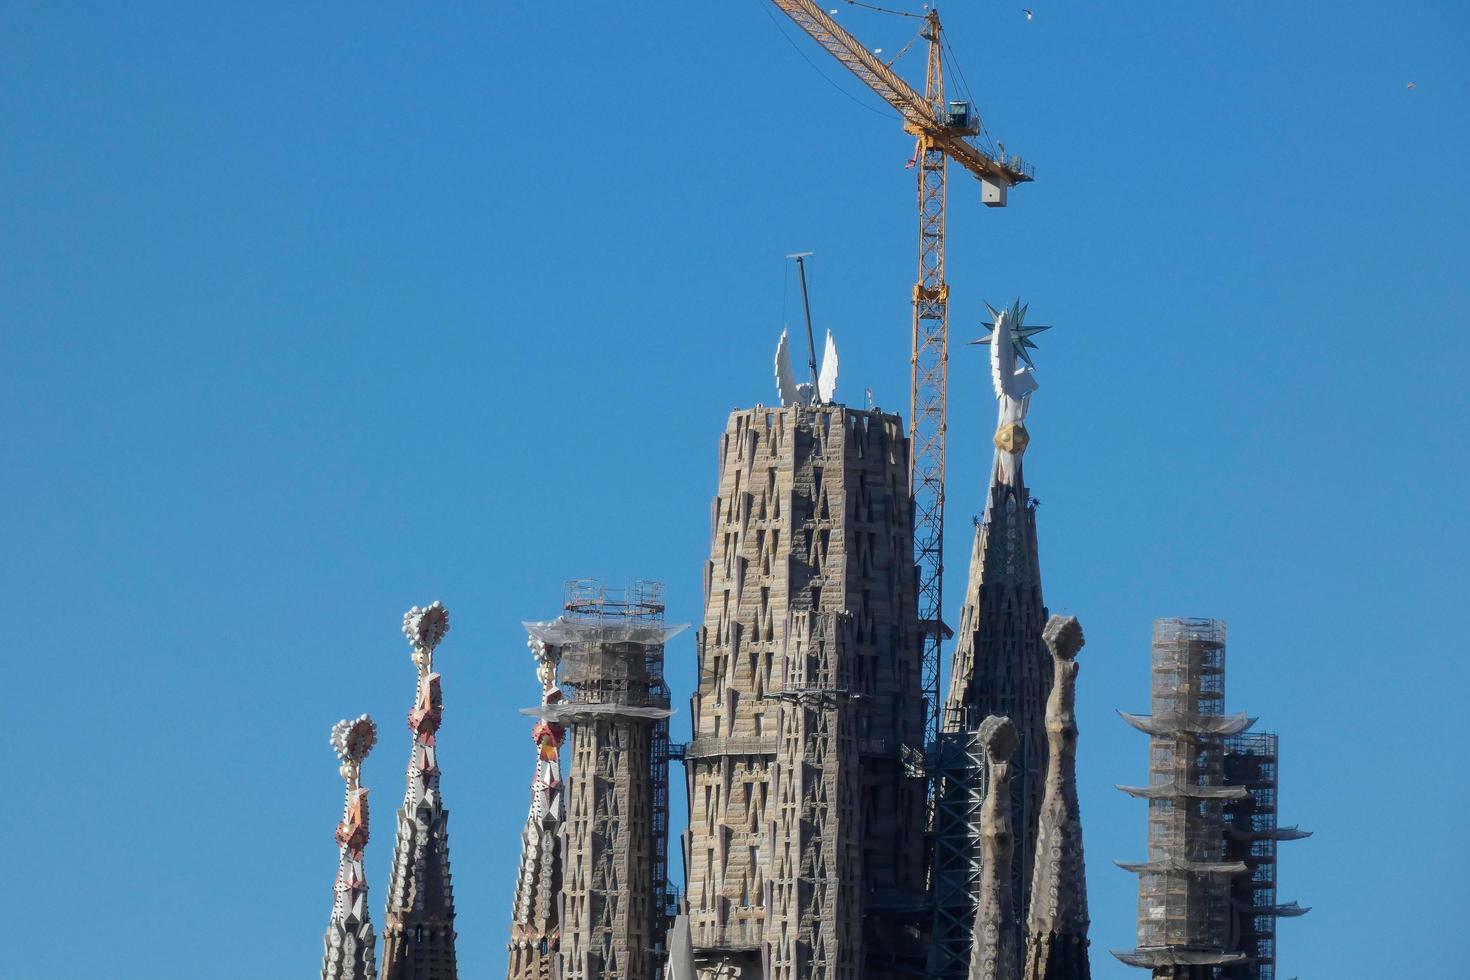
{"x":919,"y":116}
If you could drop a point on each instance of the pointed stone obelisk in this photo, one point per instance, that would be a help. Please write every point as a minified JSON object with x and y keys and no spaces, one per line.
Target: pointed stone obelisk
{"x":418,"y":937}
{"x":1056,"y":923}
{"x":349,"y":947}
{"x":994,"y":955}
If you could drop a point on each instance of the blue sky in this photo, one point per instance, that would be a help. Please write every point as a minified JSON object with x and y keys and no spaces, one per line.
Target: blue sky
{"x":312,"y":315}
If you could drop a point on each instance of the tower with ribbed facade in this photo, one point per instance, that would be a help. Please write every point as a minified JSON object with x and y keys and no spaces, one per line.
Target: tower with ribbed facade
{"x":614,"y":894}
{"x":418,"y":936}
{"x":349,"y":947}
{"x":1000,"y":665}
{"x":804,"y":853}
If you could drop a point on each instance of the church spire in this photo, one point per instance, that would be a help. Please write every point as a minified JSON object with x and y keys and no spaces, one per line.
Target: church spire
{"x":1000,"y":665}
{"x":1056,"y":928}
{"x":418,"y":937}
{"x":994,"y":955}
{"x":349,"y":945}
{"x":535,"y":928}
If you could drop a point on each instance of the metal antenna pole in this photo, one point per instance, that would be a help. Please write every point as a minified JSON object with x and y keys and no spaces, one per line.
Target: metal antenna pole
{"x":811,"y":343}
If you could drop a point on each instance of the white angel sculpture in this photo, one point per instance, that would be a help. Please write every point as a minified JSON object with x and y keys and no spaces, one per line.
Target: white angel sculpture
{"x":804,"y":393}
{"x":1009,"y":342}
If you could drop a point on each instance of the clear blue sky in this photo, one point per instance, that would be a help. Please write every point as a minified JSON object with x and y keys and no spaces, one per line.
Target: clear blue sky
{"x":309,"y":316}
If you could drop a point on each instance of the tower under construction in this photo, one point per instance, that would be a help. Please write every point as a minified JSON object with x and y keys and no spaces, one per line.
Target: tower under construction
{"x":805,"y":852}
{"x":1206,"y":894}
{"x":614,"y":843}
{"x":1184,"y":886}
{"x":1252,"y":833}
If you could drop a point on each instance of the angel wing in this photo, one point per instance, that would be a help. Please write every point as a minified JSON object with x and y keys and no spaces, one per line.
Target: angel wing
{"x":827,"y":379}
{"x":785,"y":380}
{"x":1008,"y":380}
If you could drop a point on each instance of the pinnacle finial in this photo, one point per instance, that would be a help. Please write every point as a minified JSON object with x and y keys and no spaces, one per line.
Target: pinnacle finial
{"x":425,"y":629}
{"x":352,"y":741}
{"x":998,"y":735}
{"x":1063,"y":637}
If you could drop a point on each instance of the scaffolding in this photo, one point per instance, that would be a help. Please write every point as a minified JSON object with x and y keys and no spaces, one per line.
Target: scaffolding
{"x":611,"y":646}
{"x":1251,"y":835}
{"x":961,"y":780}
{"x":1184,"y":887}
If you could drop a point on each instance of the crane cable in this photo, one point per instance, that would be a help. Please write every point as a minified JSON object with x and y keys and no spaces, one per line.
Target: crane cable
{"x":812,"y":64}
{"x":954,"y":62}
{"x":905,"y":49}
{"x":884,"y":10}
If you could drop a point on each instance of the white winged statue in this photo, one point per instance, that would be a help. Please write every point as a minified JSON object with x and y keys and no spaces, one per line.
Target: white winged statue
{"x":1009,"y":341}
{"x":803,"y":393}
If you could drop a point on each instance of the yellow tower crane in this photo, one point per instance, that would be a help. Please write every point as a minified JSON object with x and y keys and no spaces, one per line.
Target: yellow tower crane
{"x":943,"y":130}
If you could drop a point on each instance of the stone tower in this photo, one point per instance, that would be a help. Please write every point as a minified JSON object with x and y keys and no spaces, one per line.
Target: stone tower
{"x":535,"y":929}
{"x":805,"y":853}
{"x":1057,"y":919}
{"x":1184,"y":910}
{"x":418,"y":938}
{"x":349,"y":945}
{"x":614,"y":881}
{"x":1001,"y":666}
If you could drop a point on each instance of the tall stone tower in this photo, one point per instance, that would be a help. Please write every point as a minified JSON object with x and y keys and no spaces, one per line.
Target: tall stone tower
{"x":1001,"y":666}
{"x":349,"y":947}
{"x":1184,"y":887}
{"x":535,"y":929}
{"x":615,"y":879}
{"x":418,"y":939}
{"x":805,"y":851}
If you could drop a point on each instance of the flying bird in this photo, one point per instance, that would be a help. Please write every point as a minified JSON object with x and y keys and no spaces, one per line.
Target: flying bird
{"x":1410,"y":85}
{"x":1028,"y":13}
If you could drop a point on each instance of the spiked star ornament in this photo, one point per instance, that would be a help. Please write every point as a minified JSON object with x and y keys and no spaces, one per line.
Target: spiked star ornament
{"x":1020,"y":333}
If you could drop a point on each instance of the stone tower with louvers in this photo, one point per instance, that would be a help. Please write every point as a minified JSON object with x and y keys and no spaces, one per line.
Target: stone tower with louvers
{"x":1001,"y":666}
{"x":802,"y":854}
{"x":418,"y":936}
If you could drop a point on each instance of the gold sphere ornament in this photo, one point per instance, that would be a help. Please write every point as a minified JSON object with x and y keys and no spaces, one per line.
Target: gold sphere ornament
{"x":1012,"y":437}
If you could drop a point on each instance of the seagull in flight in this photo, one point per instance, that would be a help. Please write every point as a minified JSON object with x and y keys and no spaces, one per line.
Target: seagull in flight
{"x":1028,"y":13}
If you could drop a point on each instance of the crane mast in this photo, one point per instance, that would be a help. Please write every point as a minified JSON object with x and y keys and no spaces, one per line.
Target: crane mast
{"x":942,"y":134}
{"x":928,"y":403}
